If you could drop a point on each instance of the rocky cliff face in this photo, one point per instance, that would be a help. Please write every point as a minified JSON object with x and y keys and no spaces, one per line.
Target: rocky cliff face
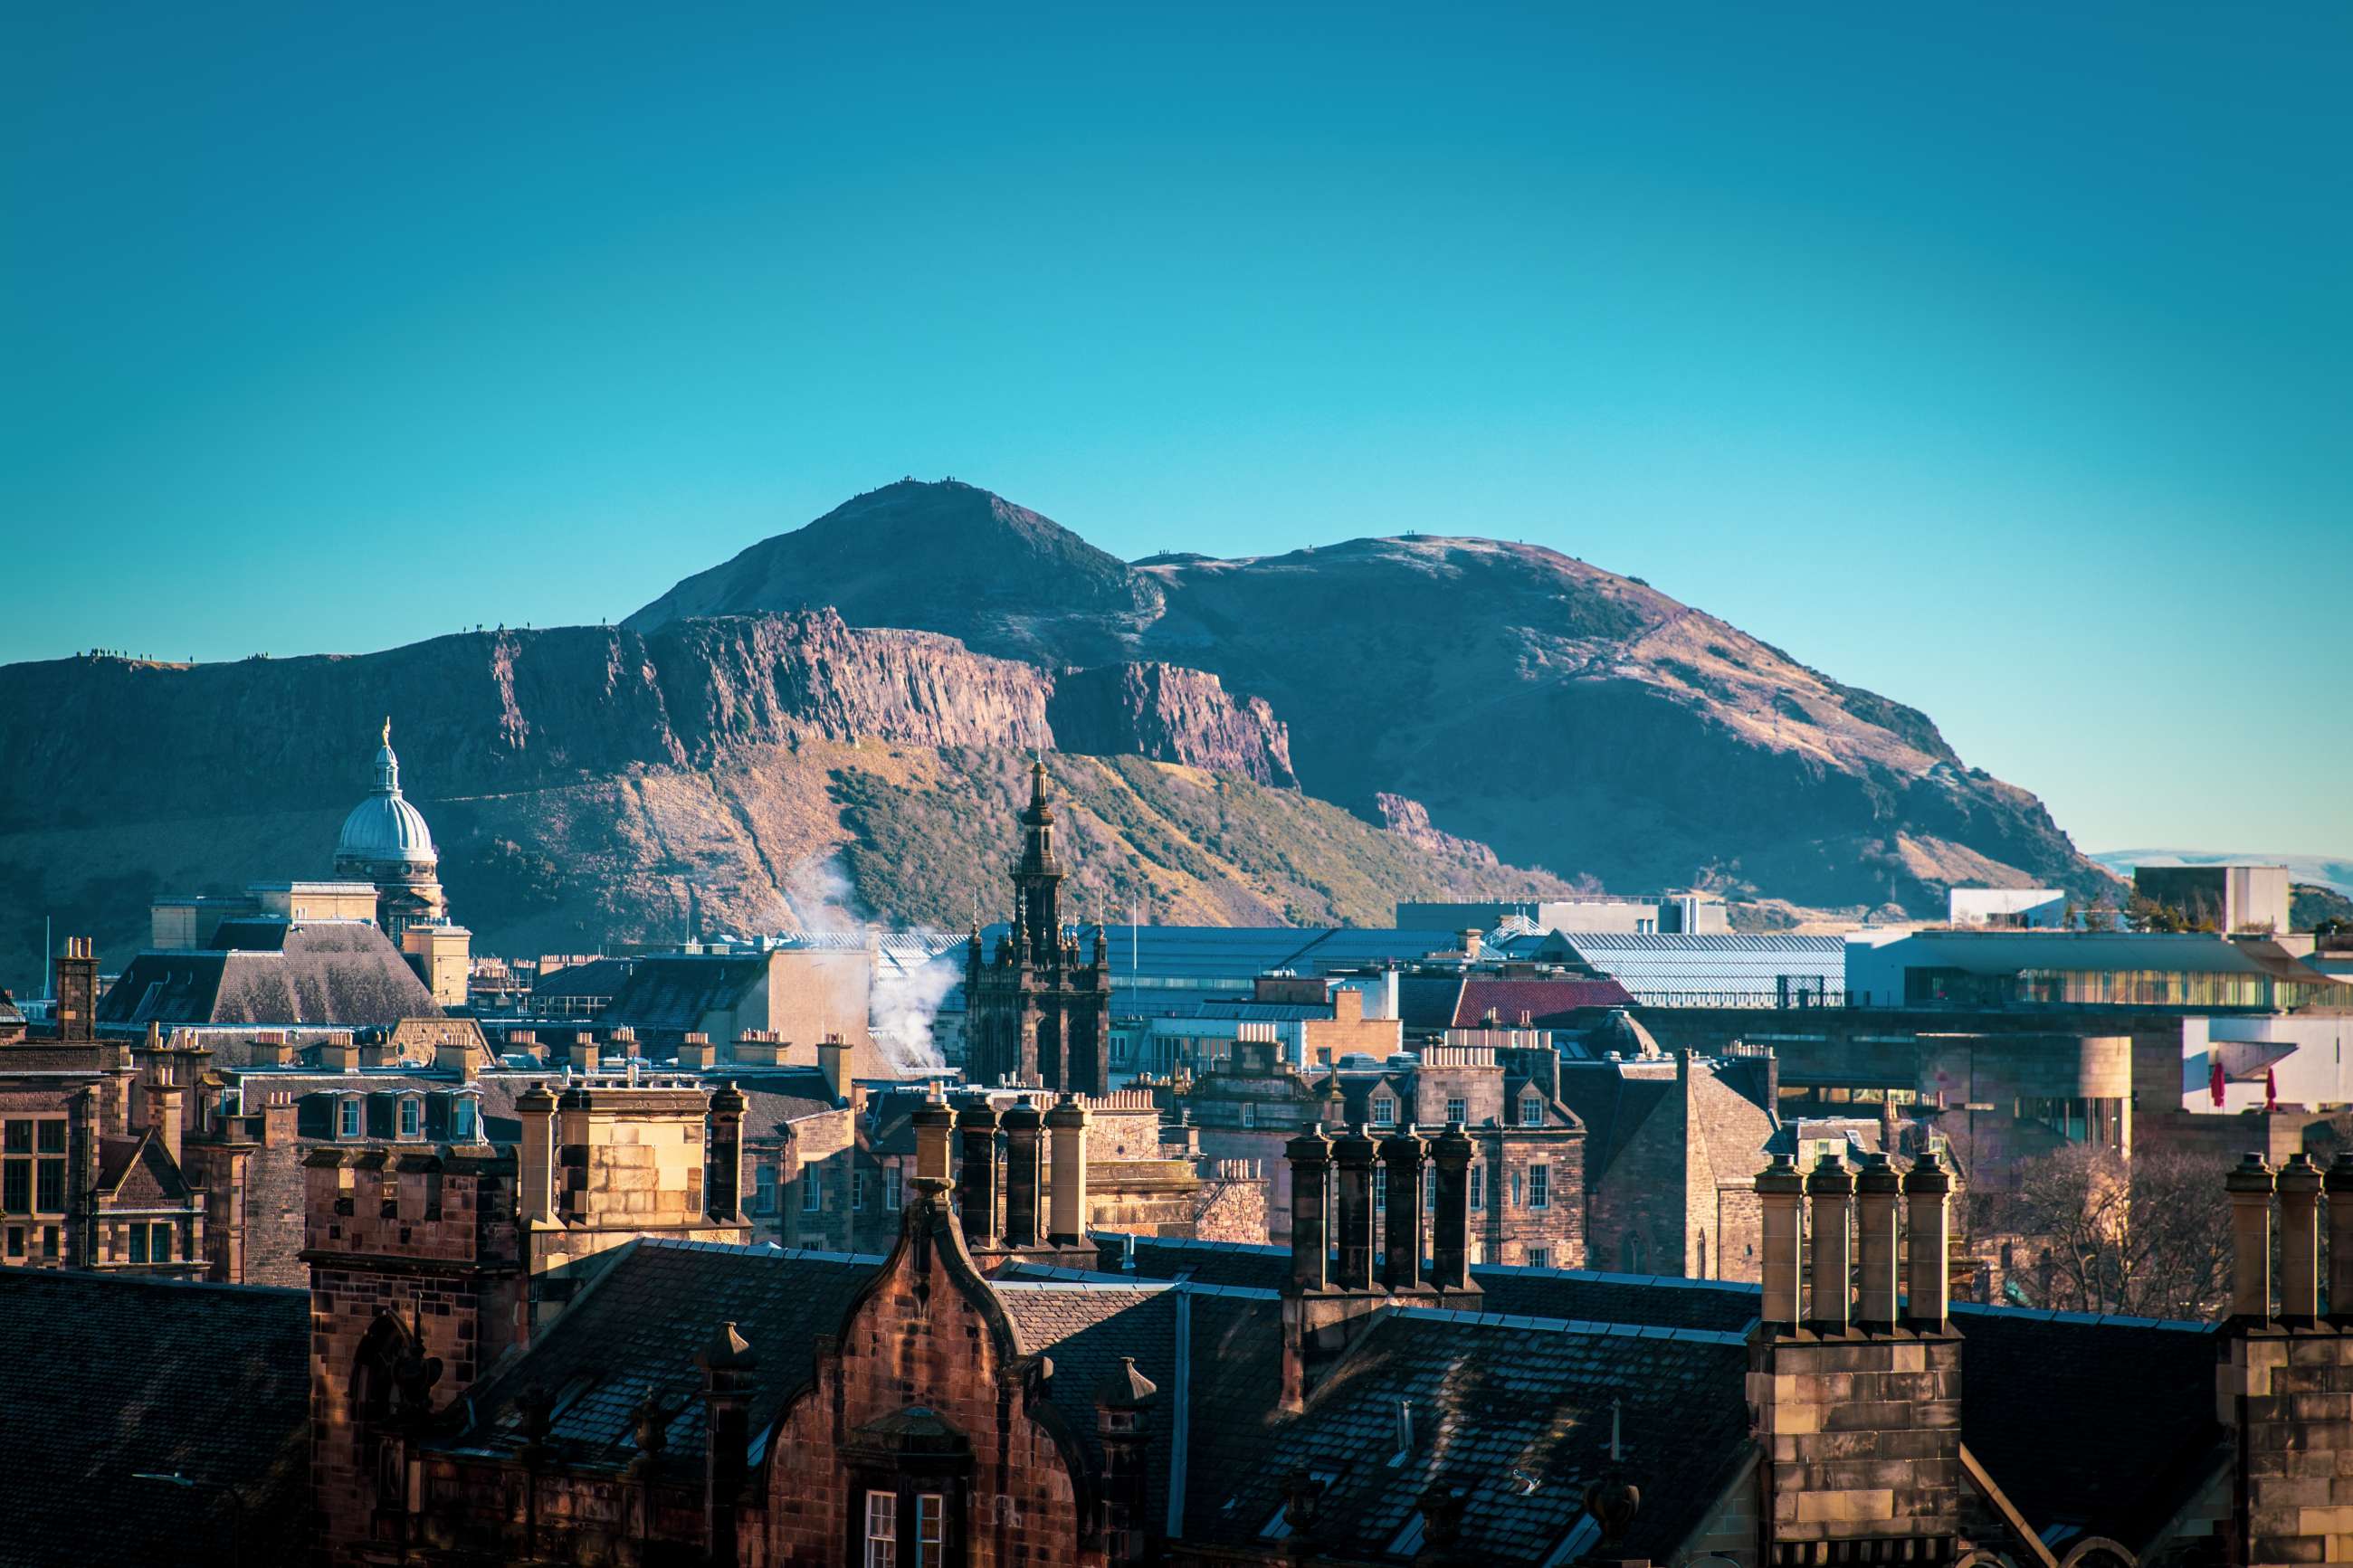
{"x":1570,"y":717}
{"x":581,"y":783}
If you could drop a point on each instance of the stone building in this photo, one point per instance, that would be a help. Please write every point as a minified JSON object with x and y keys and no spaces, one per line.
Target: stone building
{"x":89,"y":1144}
{"x":1672,"y":1145}
{"x":385,"y":844}
{"x":1038,"y":1009}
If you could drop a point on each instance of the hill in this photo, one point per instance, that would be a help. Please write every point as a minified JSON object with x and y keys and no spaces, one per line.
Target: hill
{"x":1571,"y":718}
{"x":593,"y":785}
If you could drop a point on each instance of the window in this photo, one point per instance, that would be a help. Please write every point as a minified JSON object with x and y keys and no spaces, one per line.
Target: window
{"x":49,"y":1242}
{"x":812,"y":1190}
{"x":1250,"y":1112}
{"x":16,"y":1187}
{"x":159,"y":1244}
{"x":347,"y":1119}
{"x":1457,"y":1111}
{"x":138,"y":1241}
{"x":857,"y":1191}
{"x":890,"y":1179}
{"x":412,"y":1116}
{"x":32,"y":1180}
{"x":764,"y":1189}
{"x":461,"y":1119}
{"x":1384,"y":1111}
{"x":881,"y":1530}
{"x":1539,"y":1186}
{"x":1515,"y":1189}
{"x":1539,"y":1257}
{"x":930,"y":1531}
{"x":1478,"y":1186}
{"x":16,"y":1241}
{"x":1531,"y":1111}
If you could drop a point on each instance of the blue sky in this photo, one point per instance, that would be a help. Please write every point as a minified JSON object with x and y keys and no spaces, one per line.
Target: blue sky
{"x":1995,"y":359}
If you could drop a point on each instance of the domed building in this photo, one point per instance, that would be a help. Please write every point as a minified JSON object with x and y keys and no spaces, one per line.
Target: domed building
{"x":385,"y":842}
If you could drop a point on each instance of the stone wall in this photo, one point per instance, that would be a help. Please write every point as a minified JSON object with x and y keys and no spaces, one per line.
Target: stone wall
{"x":1864,"y":1436}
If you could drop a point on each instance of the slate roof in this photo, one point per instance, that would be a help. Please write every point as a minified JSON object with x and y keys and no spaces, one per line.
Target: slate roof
{"x":1550,"y":1004}
{"x":598,"y":977}
{"x":2103,"y":1425}
{"x":1516,"y":1414}
{"x":122,"y":1362}
{"x":334,"y":972}
{"x":1427,"y":1003}
{"x":677,"y":990}
{"x":639,"y":1326}
{"x":1084,"y":1329}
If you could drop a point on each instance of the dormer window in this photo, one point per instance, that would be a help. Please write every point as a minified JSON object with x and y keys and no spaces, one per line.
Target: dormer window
{"x":412,"y":1116}
{"x":461,"y":1119}
{"x":347,"y":1119}
{"x":1383,"y":1110}
{"x":1531,"y":1111}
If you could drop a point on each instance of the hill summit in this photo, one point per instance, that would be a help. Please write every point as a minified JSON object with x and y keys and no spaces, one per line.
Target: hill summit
{"x":1572,"y":718}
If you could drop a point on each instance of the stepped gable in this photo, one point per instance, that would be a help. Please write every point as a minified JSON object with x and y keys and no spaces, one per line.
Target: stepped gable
{"x":121,"y":1361}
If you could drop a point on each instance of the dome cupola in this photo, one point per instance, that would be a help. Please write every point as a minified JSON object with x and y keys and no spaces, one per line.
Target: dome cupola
{"x":384,"y":829}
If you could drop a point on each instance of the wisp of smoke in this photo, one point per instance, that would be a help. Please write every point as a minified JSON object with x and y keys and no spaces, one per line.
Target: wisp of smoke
{"x":902,"y":1003}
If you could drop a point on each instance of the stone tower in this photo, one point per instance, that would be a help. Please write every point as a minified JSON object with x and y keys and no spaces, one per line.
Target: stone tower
{"x":1038,"y":1010}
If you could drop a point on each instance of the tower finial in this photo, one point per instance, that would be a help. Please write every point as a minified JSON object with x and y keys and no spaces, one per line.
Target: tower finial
{"x":387,"y":729}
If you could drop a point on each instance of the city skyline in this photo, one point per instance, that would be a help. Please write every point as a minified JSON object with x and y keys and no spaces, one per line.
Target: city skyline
{"x":1964,"y":411}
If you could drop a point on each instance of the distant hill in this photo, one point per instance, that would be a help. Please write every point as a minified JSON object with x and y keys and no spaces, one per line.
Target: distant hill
{"x":2333,"y":871}
{"x":1572,"y":718}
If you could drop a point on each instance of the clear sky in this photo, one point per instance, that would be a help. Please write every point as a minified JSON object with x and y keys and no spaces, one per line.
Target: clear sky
{"x":1995,"y":359}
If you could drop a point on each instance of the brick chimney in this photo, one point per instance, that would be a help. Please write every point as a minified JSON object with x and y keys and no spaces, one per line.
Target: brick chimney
{"x":1066,"y":1130}
{"x":1451,"y":1153}
{"x":1352,"y":1159}
{"x":695,"y":1053}
{"x":1310,"y":1155}
{"x":1402,"y":1157}
{"x":77,"y":989}
{"x":833,"y":1060}
{"x":583,"y":1055}
{"x":934,"y":1126}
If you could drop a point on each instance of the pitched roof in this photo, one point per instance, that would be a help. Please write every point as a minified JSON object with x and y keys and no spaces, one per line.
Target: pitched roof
{"x":2101,"y":1424}
{"x":1517,"y":1415}
{"x":122,"y":1362}
{"x":1548,"y":1004}
{"x":637,"y":1329}
{"x":1085,"y":1329}
{"x":335,"y":971}
{"x":677,"y":990}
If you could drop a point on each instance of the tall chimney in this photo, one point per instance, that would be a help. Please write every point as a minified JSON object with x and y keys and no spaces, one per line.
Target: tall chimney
{"x":2299,"y":1202}
{"x":1927,"y":1198}
{"x":77,"y":989}
{"x":165,"y":1099}
{"x":1877,"y":1194}
{"x":727,"y":1362}
{"x":2341,"y":1235}
{"x":1449,"y":1250}
{"x":1352,"y":1154}
{"x":1780,"y":1199}
{"x":1830,"y":1191}
{"x":831,"y":1057}
{"x":2250,"y":1185}
{"x":722,"y":1184}
{"x":1023,"y":1129}
{"x":1402,"y":1156}
{"x":977,"y":1176}
{"x":934,"y":1124}
{"x":1066,"y":1135}
{"x":535,"y":1107}
{"x":1310,"y":1155}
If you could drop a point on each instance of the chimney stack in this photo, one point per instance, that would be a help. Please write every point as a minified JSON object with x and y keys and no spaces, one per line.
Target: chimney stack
{"x":1780,"y":1199}
{"x":2251,"y":1184}
{"x":535,"y":1107}
{"x":1830,"y":1192}
{"x":1023,"y":1129}
{"x":582,"y":1056}
{"x":695,"y":1053}
{"x":1449,"y":1249}
{"x":976,"y":1177}
{"x":339,"y":1056}
{"x":2341,"y":1235}
{"x":165,"y":1099}
{"x":1310,"y":1155}
{"x":722,"y":1184}
{"x":934,"y":1123}
{"x":1877,"y":1194}
{"x":77,"y":991}
{"x":831,"y":1056}
{"x":2299,"y":1202}
{"x":1352,"y":1156}
{"x":1402,"y":1156}
{"x":1927,"y":1197}
{"x":1066,"y":1130}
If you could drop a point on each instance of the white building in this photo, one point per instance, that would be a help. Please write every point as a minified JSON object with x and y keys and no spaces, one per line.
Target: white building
{"x":2029,"y":908}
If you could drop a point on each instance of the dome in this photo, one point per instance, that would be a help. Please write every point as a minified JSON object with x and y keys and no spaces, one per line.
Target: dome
{"x":384,"y":829}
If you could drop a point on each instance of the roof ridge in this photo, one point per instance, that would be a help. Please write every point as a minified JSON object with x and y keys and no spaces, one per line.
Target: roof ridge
{"x":86,"y":1276}
{"x":1589,"y":1326}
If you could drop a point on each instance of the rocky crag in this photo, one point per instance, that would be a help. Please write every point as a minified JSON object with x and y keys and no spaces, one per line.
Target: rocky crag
{"x":596,"y":784}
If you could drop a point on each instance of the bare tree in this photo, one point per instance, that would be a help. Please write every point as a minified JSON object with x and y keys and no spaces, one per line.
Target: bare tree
{"x":2092,"y":1231}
